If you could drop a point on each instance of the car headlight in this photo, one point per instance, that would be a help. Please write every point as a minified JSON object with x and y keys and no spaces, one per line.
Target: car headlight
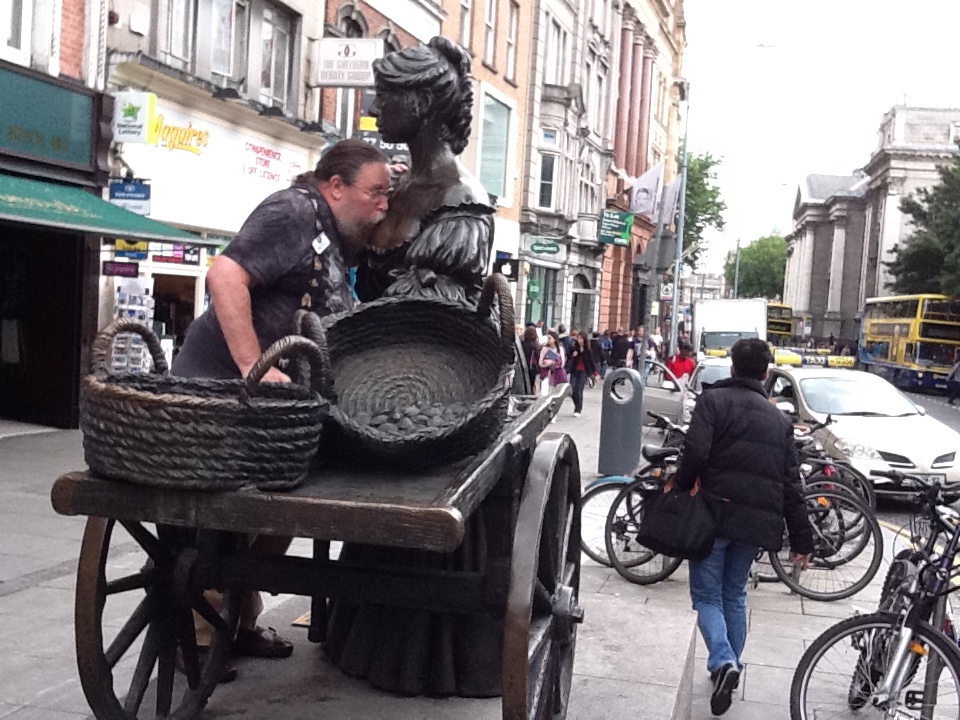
{"x":857,"y":450}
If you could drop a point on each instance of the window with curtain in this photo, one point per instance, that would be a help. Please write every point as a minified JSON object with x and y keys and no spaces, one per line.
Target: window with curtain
{"x":15,"y":22}
{"x":177,"y":45}
{"x":554,"y":71}
{"x":547,"y":181}
{"x":512,"y":24}
{"x":276,"y":33}
{"x":466,"y":22}
{"x":489,"y":30}
{"x":228,"y":53}
{"x":494,"y":146}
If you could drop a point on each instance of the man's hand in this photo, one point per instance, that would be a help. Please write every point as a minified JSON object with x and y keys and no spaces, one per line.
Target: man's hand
{"x":802,"y":560}
{"x":272,"y":375}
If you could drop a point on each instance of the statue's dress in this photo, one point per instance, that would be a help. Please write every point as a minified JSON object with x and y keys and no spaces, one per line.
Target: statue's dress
{"x":416,"y":651}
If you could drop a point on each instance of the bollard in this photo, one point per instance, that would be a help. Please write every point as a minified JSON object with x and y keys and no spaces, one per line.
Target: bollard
{"x":621,"y":423}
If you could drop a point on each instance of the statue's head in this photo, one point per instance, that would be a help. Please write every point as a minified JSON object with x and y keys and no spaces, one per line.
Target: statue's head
{"x":424,"y":85}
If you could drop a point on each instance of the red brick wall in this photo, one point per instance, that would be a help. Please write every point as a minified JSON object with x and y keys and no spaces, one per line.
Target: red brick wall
{"x":375,"y":23}
{"x":617,"y":277}
{"x":71,"y":39}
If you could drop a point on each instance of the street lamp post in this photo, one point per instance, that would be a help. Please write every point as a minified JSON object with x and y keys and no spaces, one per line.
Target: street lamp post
{"x":675,"y":325}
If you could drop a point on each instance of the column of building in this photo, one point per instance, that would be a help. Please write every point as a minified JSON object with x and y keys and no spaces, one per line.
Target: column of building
{"x":839,"y":217}
{"x":634,"y":151}
{"x":649,"y":53}
{"x":623,"y":96}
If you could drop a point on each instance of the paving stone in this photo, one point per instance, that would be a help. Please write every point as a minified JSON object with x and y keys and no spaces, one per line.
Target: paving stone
{"x":53,"y":602}
{"x":35,"y":713}
{"x":15,"y":566}
{"x":766,"y":684}
{"x":742,"y":711}
{"x":780,"y":652}
{"x":787,"y":625}
{"x":619,"y":700}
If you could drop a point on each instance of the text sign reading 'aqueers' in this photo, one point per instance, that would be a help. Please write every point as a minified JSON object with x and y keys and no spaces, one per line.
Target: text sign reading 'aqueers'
{"x":347,"y":62}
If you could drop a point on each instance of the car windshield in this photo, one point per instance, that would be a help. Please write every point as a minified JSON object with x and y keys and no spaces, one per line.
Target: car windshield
{"x":723,"y":340}
{"x":856,"y":394}
{"x":710,"y":374}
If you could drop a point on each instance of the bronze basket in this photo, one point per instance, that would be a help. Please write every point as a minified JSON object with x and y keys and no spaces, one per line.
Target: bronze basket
{"x":201,"y":434}
{"x":419,"y":382}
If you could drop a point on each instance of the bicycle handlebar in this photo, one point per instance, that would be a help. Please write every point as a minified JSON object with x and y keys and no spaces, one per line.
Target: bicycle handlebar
{"x":665,"y":423}
{"x":898,"y":478}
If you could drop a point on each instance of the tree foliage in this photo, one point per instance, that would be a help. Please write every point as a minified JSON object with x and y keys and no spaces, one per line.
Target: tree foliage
{"x":762,"y":265}
{"x":929,"y":260}
{"x":704,"y":206}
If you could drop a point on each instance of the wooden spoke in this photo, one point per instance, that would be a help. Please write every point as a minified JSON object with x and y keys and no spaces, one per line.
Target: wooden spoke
{"x":138,"y":581}
{"x":165,"y":667}
{"x":188,"y":648}
{"x":130,"y":631}
{"x":210,"y":615}
{"x":147,"y":541}
{"x":144,"y":669}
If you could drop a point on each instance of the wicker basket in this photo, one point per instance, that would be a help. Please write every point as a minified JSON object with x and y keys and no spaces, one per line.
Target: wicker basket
{"x":201,"y":434}
{"x":419,"y":382}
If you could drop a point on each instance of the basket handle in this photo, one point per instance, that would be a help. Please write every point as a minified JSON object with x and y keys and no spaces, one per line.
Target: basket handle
{"x":307,"y":324}
{"x":101,"y":346}
{"x":496,"y":286}
{"x":289,"y":345}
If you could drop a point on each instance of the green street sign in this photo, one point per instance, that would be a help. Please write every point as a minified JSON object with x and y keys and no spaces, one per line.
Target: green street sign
{"x":615,"y":227}
{"x":533,"y":288}
{"x":545,"y":248}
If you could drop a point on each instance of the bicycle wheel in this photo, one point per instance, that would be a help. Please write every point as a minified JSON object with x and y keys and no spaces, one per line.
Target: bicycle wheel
{"x":859,"y":482}
{"x":842,"y":562}
{"x":851,"y":515}
{"x":842,"y":672}
{"x":630,"y":559}
{"x":594,"y":507}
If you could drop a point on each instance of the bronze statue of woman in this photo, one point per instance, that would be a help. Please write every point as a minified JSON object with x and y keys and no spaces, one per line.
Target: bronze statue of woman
{"x":435,"y":240}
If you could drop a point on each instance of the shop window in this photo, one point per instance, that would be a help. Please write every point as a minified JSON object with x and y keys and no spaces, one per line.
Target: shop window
{"x":15,"y":26}
{"x":547,"y":181}
{"x":276,"y":42}
{"x":541,"y":295}
{"x":494,"y":146}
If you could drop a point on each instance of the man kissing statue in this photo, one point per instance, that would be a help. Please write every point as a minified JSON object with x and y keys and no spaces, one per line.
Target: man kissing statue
{"x":435,"y":243}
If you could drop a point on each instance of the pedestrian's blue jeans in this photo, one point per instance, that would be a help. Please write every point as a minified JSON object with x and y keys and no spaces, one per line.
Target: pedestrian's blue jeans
{"x":718,"y":589}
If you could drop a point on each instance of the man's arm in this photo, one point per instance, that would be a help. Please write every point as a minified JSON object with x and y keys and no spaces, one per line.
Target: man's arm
{"x":697,"y":445}
{"x":229,"y":286}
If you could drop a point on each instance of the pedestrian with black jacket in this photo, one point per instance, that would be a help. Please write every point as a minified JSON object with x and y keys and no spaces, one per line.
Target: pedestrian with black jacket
{"x":580,"y":366}
{"x":741,"y":449}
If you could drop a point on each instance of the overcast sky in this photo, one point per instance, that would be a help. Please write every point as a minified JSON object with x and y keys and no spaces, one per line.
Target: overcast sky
{"x":782,"y":89}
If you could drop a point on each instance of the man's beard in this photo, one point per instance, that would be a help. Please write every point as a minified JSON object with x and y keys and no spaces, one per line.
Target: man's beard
{"x":356,"y":230}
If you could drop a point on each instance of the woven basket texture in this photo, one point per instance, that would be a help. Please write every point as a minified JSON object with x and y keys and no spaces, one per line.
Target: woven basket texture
{"x":201,"y":434}
{"x":419,"y":382}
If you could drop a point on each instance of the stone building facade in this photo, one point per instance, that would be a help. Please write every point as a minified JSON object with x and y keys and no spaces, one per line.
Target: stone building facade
{"x":646,"y":132}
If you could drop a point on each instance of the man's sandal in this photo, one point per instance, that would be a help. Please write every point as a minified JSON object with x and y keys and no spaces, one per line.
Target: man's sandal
{"x":261,"y":643}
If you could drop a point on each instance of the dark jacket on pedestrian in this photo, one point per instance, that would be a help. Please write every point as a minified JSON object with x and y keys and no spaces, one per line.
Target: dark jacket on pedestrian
{"x":575,"y":354}
{"x":742,"y":449}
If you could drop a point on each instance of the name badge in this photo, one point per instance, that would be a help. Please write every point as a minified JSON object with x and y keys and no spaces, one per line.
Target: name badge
{"x":320,"y":243}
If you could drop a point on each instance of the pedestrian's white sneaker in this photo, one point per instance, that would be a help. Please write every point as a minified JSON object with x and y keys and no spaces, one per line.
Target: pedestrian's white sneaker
{"x":576,"y":414}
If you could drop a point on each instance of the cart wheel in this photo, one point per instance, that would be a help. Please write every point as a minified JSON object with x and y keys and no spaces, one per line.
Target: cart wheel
{"x":133,"y":614}
{"x":540,"y":632}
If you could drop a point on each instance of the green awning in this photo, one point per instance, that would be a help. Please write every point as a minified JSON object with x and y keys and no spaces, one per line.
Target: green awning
{"x":70,"y":208}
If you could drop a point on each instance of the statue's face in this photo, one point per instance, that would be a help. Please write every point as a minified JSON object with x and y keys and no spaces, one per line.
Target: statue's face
{"x":397,"y":117}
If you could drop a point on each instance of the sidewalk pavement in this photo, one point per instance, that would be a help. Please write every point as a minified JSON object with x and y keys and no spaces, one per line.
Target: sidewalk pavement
{"x":638,"y":653}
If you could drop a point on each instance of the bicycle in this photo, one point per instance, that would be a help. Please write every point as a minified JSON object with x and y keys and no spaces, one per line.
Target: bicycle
{"x":601,"y":493}
{"x":901,"y":661}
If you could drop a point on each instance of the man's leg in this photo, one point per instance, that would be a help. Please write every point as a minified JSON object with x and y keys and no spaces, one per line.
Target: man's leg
{"x":736,"y":572}
{"x":706,"y":583}
{"x":578,"y":380}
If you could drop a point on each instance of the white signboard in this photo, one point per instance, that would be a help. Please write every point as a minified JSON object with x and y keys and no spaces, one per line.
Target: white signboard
{"x":205,"y":173}
{"x":347,"y":62}
{"x":132,"y":115}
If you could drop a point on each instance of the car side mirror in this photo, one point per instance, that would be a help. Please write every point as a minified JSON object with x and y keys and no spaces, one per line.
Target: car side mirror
{"x":669,"y":385}
{"x":786,"y":407}
{"x":921,"y":409}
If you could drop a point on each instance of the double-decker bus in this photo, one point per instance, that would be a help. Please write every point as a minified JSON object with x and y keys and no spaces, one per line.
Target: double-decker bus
{"x":779,"y":323}
{"x":911,"y":340}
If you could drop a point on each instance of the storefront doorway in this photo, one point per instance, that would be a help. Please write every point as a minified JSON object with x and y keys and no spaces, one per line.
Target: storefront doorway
{"x":581,"y":310}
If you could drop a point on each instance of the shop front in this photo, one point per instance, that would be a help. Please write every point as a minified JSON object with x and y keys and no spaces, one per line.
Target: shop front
{"x":543,"y":259}
{"x":205,"y":174}
{"x":52,"y":221}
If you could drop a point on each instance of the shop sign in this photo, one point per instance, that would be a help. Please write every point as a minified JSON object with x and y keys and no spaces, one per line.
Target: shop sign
{"x":133,"y":196}
{"x":177,"y":254}
{"x":545,"y":248}
{"x":347,"y":62}
{"x":666,"y":291}
{"x":131,"y":250}
{"x":178,"y":137}
{"x":42,"y":120}
{"x":509,"y":268}
{"x":615,"y":228}
{"x":134,"y":115}
{"x":121,"y":269}
{"x":533,"y":288}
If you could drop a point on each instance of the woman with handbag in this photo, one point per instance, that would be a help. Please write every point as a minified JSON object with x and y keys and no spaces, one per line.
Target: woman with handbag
{"x":550,"y":359}
{"x":580,"y":367}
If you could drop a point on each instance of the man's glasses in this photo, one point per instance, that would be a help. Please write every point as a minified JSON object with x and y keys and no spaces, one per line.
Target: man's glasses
{"x":377,"y":192}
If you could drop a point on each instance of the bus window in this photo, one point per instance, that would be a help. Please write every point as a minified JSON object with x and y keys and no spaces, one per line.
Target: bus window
{"x":908,"y":351}
{"x":935,"y":354}
{"x":942,"y":310}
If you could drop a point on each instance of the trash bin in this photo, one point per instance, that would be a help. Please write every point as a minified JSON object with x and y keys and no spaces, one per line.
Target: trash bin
{"x":621,"y":422}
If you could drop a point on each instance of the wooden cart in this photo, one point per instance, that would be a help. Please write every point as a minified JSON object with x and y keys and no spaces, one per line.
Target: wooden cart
{"x":197,"y":540}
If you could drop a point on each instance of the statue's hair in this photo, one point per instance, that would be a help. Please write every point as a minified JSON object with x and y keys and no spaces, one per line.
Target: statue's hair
{"x":438,"y":80}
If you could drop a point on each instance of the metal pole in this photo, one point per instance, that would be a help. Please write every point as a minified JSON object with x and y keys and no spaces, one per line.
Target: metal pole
{"x":674,"y":325}
{"x":736,"y":272}
{"x":934,"y":667}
